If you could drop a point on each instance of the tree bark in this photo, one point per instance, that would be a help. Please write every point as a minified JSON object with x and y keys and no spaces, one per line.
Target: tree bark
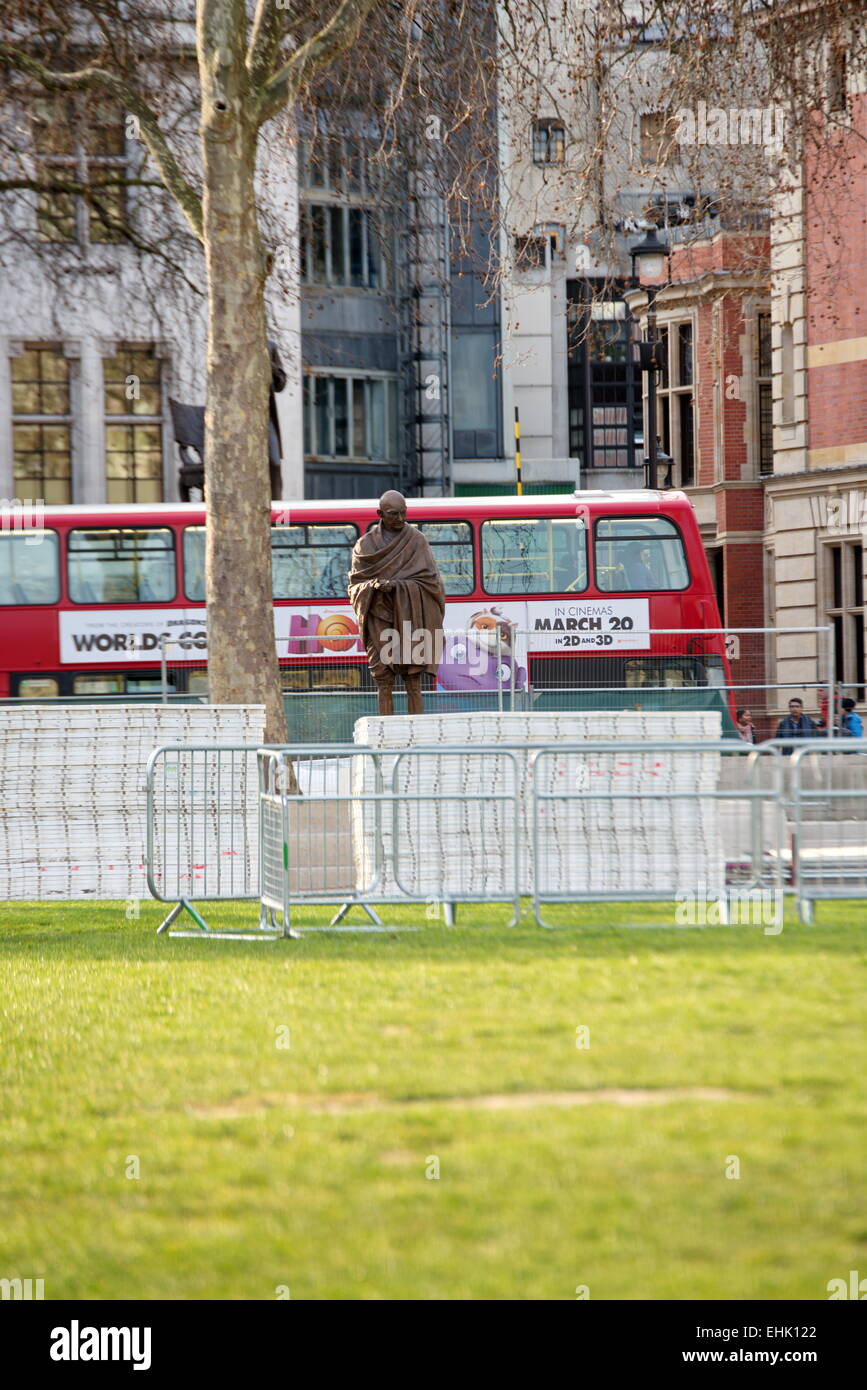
{"x":242,"y":654}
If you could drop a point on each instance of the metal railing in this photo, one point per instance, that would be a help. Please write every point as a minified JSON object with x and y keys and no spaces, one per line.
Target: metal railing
{"x":697,"y":822}
{"x":514,"y":675}
{"x":828,"y":799}
{"x":766,"y":667}
{"x":670,"y":823}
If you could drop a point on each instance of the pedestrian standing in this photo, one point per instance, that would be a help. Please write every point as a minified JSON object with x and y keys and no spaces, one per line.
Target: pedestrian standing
{"x":796,"y":724}
{"x":745,"y":726}
{"x":851,"y":725}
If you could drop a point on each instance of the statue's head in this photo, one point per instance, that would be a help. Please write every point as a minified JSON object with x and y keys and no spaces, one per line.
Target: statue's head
{"x":392,"y":511}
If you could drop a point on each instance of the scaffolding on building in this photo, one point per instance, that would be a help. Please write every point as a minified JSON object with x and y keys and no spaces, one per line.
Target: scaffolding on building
{"x":423,"y":269}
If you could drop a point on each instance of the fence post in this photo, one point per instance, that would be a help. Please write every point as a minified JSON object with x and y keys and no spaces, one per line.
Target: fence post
{"x":829,"y":631}
{"x":164,"y":678}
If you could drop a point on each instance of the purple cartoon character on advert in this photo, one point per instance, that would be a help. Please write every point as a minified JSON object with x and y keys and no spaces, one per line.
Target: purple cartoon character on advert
{"x":471,"y":659}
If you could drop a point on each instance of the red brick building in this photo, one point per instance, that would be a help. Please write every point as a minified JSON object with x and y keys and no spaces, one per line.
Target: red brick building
{"x":713,"y":414}
{"x":816,"y":498}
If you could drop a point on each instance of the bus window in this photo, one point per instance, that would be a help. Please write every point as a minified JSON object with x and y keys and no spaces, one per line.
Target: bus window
{"x":534,"y":556}
{"x":38,"y":689}
{"x":29,"y":569}
{"x":310,"y":562}
{"x":639,"y":554}
{"x":307,"y":562}
{"x":297,"y":679}
{"x":97,"y":685}
{"x":148,"y":685}
{"x":194,"y":563}
{"x":197,"y":682}
{"x":335,"y":677}
{"x":452,"y":545}
{"x":129,"y":566}
{"x":659,"y":671}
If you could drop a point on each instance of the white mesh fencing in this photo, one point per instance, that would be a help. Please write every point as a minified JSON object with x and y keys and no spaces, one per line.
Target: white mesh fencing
{"x":73,"y":814}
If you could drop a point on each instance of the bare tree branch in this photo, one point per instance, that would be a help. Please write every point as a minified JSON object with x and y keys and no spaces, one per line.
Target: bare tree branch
{"x":269,"y":25}
{"x":318,"y":52}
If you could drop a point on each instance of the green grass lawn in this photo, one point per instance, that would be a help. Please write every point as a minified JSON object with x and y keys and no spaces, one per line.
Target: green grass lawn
{"x":309,"y":1166}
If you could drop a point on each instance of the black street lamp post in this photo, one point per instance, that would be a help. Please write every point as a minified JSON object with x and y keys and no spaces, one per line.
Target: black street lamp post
{"x":648,"y":257}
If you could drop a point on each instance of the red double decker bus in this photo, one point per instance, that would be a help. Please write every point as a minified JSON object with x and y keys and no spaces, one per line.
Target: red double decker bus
{"x":573,"y":594}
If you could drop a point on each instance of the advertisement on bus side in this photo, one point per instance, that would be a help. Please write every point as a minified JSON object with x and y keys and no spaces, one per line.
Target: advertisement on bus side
{"x":474,"y":634}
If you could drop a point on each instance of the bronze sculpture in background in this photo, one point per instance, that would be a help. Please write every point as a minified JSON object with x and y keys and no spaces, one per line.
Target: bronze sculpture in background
{"x":397,"y":594}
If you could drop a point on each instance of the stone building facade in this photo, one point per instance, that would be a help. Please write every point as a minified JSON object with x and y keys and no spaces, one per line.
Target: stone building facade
{"x":816,"y":499}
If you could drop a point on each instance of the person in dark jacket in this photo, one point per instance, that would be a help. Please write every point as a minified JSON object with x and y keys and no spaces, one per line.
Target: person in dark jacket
{"x":796,"y":723}
{"x":639,"y":575}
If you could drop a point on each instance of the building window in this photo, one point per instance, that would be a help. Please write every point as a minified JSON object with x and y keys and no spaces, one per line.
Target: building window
{"x":604,"y":410}
{"x":837,"y":80}
{"x":80,"y":141}
{"x":787,"y":371}
{"x":531,"y":252}
{"x":42,"y":423}
{"x":675,"y":399}
{"x":475,"y":392}
{"x":133,"y":425}
{"x":341,"y":245}
{"x":342,"y":236}
{"x":846,"y":613}
{"x":350,"y":417}
{"x":549,"y":142}
{"x":687,"y":440}
{"x":343,"y":164}
{"x":474,"y":377}
{"x":765,"y":395}
{"x":684,"y":354}
{"x":656,"y":136}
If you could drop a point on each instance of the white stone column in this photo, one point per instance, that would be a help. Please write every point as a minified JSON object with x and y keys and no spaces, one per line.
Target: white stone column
{"x":88,"y":441}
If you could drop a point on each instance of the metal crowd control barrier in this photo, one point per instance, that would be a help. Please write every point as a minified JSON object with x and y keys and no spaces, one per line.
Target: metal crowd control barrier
{"x":696,"y":847}
{"x":828,"y":799}
{"x":724,"y":829}
{"x":370,"y":843}
{"x":215,"y":814}
{"x":202,"y":830}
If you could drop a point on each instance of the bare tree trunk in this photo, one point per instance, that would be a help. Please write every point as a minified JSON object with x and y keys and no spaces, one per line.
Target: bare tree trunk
{"x":242,"y":655}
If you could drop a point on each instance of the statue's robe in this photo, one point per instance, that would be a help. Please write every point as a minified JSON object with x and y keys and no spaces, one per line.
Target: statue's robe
{"x":416,"y":604}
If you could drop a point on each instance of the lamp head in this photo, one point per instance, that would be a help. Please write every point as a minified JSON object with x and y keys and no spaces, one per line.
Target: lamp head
{"x":649,"y":256}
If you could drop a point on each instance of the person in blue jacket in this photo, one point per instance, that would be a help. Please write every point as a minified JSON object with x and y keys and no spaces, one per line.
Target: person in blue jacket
{"x":851,"y":725}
